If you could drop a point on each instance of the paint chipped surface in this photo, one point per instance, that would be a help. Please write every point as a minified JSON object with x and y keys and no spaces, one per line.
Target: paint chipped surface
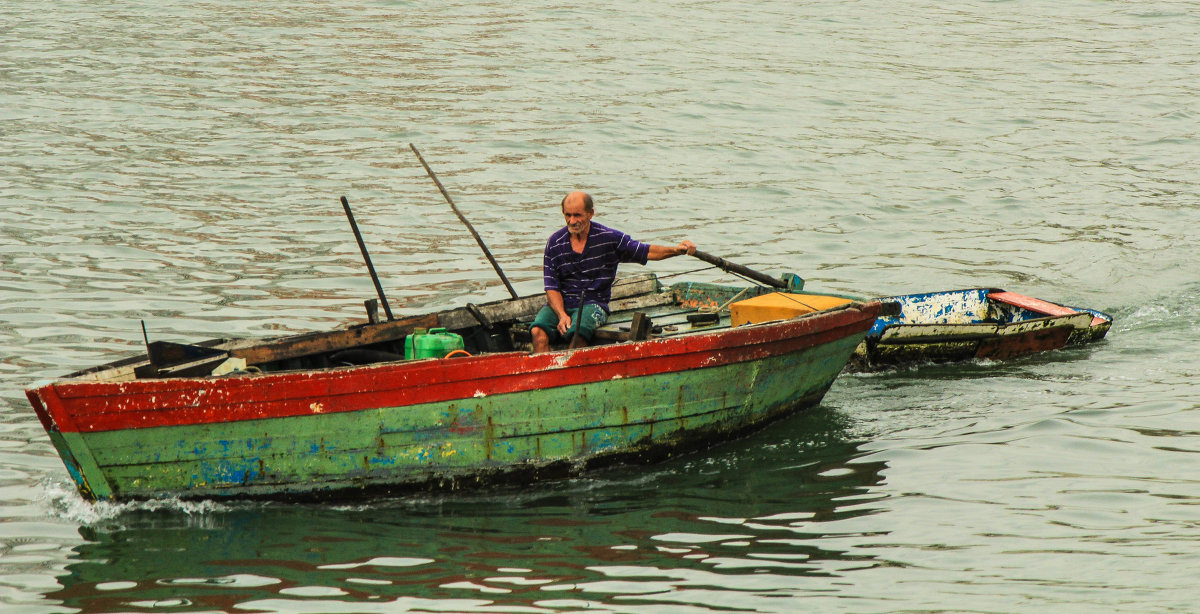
{"x":955,"y":307}
{"x":965,"y":324}
{"x":529,"y":413}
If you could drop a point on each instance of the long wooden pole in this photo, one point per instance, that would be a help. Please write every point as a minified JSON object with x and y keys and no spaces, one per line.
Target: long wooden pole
{"x":478,"y":239}
{"x":370,"y":267}
{"x":738,"y":269}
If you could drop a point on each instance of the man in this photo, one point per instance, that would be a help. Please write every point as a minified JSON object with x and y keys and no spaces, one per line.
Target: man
{"x":579,"y":267}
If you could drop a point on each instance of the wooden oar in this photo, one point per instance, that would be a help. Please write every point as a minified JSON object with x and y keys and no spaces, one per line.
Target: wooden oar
{"x":738,"y":269}
{"x":370,"y":267}
{"x":478,"y":240}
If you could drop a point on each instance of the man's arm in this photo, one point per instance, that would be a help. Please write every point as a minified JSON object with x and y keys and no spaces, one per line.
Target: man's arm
{"x":662,"y":252}
{"x":555,"y":299}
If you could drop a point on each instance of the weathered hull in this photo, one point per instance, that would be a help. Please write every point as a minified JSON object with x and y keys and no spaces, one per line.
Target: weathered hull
{"x":441,"y":422}
{"x":973,"y":324}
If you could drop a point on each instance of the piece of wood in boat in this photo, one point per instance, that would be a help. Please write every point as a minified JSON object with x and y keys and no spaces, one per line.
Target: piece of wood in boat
{"x":372,"y":305}
{"x":639,"y":327}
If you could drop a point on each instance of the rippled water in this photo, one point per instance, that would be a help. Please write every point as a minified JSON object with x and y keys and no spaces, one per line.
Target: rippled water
{"x":181,"y":165}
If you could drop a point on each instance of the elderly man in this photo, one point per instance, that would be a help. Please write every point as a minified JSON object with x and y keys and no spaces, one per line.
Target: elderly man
{"x":579,"y":268}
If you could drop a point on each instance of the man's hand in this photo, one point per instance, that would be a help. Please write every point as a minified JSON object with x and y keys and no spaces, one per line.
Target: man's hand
{"x":564,"y":324}
{"x":660,"y":252}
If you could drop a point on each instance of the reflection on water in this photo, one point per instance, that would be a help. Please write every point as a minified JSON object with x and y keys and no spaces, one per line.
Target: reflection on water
{"x":761,"y":506}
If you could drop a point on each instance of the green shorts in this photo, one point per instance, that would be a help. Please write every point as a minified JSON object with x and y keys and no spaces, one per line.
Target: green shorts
{"x":586,"y":322}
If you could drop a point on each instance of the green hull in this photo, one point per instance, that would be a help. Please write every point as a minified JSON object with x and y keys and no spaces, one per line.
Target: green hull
{"x":519,"y":436}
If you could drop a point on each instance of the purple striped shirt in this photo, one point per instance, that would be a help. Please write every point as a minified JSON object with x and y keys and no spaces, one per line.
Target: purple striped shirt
{"x":588,"y":277}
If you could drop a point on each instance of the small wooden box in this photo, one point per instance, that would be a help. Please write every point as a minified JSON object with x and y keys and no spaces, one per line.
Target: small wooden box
{"x":780,"y":306}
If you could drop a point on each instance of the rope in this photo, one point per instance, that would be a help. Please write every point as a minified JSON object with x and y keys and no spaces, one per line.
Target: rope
{"x":796,"y":300}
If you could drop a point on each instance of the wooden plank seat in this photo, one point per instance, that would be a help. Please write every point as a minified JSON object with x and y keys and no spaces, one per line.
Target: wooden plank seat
{"x":666,"y":321}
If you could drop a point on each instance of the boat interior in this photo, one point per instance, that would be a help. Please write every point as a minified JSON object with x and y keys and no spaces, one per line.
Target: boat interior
{"x":642,"y":307}
{"x":974,"y":306}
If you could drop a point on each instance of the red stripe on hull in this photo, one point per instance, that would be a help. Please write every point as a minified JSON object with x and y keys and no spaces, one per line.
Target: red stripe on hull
{"x":100,"y":406}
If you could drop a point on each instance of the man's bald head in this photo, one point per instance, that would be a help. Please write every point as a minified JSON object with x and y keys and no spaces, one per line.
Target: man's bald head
{"x":577,"y":197}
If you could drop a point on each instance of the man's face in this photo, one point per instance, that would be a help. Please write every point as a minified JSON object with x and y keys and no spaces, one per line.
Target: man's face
{"x":576,"y":215}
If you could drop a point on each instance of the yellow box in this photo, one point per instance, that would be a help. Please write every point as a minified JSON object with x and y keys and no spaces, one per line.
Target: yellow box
{"x":780,"y":306}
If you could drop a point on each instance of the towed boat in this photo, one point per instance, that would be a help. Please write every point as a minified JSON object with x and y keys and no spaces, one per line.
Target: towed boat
{"x":986,"y":323}
{"x":361,"y":410}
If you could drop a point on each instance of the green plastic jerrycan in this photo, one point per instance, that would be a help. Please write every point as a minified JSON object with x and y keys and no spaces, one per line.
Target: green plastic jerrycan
{"x":435,"y":343}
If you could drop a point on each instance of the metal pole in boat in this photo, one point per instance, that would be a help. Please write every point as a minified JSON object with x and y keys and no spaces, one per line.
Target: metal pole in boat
{"x":738,"y":269}
{"x":370,"y":267}
{"x":478,"y":240}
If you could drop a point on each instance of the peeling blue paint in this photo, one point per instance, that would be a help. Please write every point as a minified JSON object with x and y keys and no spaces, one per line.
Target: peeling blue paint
{"x":953,"y":307}
{"x":225,"y":472}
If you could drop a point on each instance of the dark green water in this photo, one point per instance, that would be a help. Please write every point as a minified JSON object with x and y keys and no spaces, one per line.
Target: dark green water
{"x":181,"y":164}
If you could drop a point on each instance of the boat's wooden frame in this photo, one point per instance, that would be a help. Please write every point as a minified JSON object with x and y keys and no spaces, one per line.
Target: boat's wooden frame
{"x":292,"y":420}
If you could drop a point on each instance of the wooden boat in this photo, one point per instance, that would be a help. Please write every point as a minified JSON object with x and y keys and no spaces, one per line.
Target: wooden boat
{"x":960,"y":325}
{"x":341,"y":413}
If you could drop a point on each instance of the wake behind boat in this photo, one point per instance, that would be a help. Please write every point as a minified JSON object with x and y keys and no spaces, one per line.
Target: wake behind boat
{"x":344,"y":413}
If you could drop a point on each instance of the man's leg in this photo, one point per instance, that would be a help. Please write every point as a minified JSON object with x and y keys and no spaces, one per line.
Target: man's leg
{"x":541,"y":341}
{"x":587,"y":321}
{"x":544,"y":325}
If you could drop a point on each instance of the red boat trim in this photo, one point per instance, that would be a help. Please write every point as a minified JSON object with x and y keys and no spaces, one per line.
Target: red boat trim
{"x":107,"y":406}
{"x":40,"y":409}
{"x":1038,"y":305}
{"x":1032,"y":304}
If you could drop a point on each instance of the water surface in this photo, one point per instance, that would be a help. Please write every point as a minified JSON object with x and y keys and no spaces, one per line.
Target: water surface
{"x":181,"y":165}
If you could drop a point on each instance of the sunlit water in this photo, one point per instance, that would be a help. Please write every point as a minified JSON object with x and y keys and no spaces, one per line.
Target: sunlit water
{"x":181,"y":165}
